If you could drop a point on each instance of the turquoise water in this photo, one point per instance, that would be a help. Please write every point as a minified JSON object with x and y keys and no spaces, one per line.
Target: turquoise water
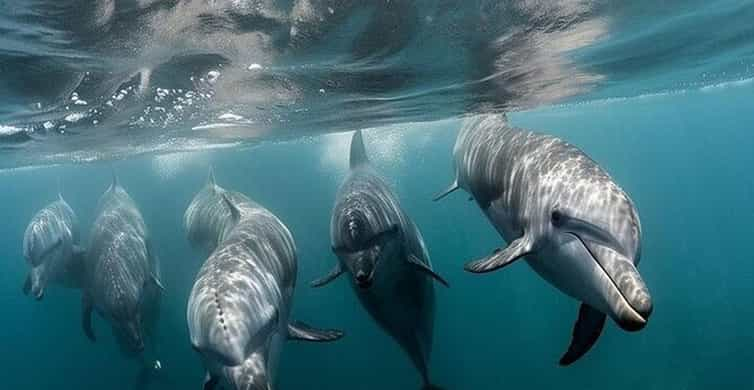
{"x":684,"y":157}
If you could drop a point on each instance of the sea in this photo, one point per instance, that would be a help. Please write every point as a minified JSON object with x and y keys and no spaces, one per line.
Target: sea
{"x":268,"y":92}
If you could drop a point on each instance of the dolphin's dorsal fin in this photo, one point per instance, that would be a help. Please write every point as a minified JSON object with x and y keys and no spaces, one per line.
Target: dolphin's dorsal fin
{"x":114,"y":183}
{"x":235,"y":213}
{"x":60,"y":191}
{"x":358,"y":152}
{"x":211,"y":176}
{"x":586,"y":331}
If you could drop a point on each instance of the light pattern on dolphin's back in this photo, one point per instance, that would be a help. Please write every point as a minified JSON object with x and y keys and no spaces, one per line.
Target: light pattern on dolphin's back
{"x":365,"y":193}
{"x":505,"y":159}
{"x":56,"y":221}
{"x":250,"y":274}
{"x":118,"y":258}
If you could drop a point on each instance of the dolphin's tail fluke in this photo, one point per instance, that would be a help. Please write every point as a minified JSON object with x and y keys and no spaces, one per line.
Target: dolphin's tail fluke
{"x":430,"y":386}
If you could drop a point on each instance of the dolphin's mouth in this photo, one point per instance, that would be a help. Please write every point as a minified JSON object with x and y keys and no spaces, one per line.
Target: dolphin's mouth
{"x":641,"y":319}
{"x":364,"y":280}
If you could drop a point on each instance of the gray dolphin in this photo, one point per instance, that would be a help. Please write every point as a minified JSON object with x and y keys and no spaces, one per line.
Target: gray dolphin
{"x":557,"y":208}
{"x":51,"y":248}
{"x":383,"y":250}
{"x":239,"y":309}
{"x":122,"y":273}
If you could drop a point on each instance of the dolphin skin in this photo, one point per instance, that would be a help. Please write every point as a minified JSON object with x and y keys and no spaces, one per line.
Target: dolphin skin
{"x":564,"y":214}
{"x":122,"y":274}
{"x":51,"y":248}
{"x":207,"y":219}
{"x":384,"y":253}
{"x":238,"y":312}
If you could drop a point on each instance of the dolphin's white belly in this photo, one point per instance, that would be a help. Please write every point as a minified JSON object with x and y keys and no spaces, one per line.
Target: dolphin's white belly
{"x":401,"y":301}
{"x":567,"y":265}
{"x":568,"y":271}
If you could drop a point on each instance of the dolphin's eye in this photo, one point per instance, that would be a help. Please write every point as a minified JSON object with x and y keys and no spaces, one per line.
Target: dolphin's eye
{"x":557,"y":218}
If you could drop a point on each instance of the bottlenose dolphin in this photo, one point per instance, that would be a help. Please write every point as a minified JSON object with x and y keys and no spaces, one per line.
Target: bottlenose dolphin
{"x":239,"y":309}
{"x":557,"y":208}
{"x":122,"y":274}
{"x":51,"y":249}
{"x":383,"y":250}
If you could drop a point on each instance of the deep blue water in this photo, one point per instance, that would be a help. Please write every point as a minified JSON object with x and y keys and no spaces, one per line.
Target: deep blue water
{"x":659,"y":93}
{"x":685,"y":158}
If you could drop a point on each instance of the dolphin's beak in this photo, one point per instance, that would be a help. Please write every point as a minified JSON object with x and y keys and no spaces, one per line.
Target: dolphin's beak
{"x":363,"y":271}
{"x":37,"y":284}
{"x":628,"y":297}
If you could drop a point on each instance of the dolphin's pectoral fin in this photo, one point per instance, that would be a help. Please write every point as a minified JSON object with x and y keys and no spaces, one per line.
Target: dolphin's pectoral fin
{"x":301,"y":331}
{"x":157,"y":282}
{"x":423,"y":267}
{"x":210,"y":382}
{"x":27,"y":285}
{"x":585,"y":333}
{"x":452,"y":187}
{"x":500,"y":258}
{"x":334,"y":273}
{"x":86,"y":317}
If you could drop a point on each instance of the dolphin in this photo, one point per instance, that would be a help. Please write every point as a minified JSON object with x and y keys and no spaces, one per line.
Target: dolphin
{"x":122,"y":274}
{"x":383,"y":251}
{"x":207,"y":219}
{"x":564,"y":214}
{"x":238,"y":312}
{"x":51,"y":248}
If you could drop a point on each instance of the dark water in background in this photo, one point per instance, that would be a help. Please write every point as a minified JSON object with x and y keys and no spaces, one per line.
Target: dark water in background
{"x":685,"y":158}
{"x":658,"y":92}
